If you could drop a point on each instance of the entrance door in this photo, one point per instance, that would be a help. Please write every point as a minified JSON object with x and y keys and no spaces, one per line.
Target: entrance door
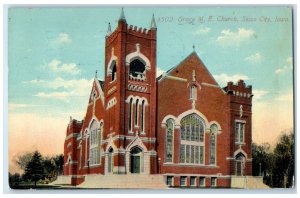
{"x":239,"y":168}
{"x":110,"y":161}
{"x":239,"y":164}
{"x":135,"y":164}
{"x":135,"y":160}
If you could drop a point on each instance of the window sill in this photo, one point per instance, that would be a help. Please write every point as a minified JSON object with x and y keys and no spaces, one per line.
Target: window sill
{"x":240,"y":143}
{"x":95,"y":165}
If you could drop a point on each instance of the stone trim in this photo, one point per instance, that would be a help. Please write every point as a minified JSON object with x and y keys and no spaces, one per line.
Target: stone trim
{"x":176,"y":78}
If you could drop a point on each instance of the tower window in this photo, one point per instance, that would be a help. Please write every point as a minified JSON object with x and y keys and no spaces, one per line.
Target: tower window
{"x":142,"y":116}
{"x":114,"y":72}
{"x":130,"y":115}
{"x":137,"y":70}
{"x":239,"y":132}
{"x":136,"y":112}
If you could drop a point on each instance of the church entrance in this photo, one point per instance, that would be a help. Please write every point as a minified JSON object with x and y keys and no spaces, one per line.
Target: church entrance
{"x":110,"y":161}
{"x":136,"y":160}
{"x":239,"y":164}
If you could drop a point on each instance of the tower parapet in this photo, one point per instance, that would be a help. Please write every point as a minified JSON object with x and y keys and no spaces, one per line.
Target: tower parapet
{"x":239,"y":91}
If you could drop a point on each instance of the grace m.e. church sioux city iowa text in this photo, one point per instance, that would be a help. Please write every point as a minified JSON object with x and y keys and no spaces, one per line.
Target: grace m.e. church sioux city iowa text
{"x":180,"y":129}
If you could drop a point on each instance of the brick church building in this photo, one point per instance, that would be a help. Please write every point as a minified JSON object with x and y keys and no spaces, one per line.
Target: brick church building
{"x":180,"y":127}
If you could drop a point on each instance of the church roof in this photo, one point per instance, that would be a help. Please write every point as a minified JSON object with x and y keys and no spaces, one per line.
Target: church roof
{"x":172,"y":68}
{"x":188,"y":58}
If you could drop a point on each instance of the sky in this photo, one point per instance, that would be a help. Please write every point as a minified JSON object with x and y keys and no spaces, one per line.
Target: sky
{"x":53,"y":54}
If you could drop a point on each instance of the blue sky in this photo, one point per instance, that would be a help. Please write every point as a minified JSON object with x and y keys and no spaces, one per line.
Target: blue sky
{"x":53,"y":54}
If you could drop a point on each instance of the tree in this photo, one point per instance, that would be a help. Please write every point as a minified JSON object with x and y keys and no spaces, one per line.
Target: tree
{"x":34,"y":170}
{"x":284,"y":161}
{"x":14,"y":180}
{"x":49,"y":168}
{"x":23,"y":160}
{"x":263,"y":162}
{"x":59,"y":163}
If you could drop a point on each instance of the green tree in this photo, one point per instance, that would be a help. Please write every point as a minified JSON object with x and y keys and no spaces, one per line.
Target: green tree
{"x":284,"y":153}
{"x":49,"y":168}
{"x":59,"y":163}
{"x":34,"y":170}
{"x":263,"y":162}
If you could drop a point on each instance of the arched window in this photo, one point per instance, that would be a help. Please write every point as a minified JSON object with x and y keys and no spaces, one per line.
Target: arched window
{"x":114,"y":71}
{"x":143,"y":116}
{"x":192,"y":139}
{"x":239,"y":164}
{"x":169,"y":140}
{"x":130,"y":115}
{"x":94,"y":143}
{"x":212,"y":143}
{"x":136,"y":112}
{"x":193,"y":92}
{"x":86,"y":136}
{"x":137,"y":70}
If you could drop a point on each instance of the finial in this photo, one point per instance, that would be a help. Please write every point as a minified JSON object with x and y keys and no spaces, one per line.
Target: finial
{"x":122,"y":16}
{"x":96,"y":74}
{"x":193,"y":48}
{"x":108,"y":30}
{"x":153,"y":23}
{"x":71,"y":119}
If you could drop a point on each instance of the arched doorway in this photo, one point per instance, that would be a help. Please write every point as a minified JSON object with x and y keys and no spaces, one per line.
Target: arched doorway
{"x":136,"y":160}
{"x":110,"y":161}
{"x":239,"y":164}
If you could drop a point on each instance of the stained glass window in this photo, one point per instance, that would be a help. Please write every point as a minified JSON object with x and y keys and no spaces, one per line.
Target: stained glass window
{"x":192,"y":137}
{"x":212,"y":143}
{"x":169,"y":140}
{"x":95,"y":138}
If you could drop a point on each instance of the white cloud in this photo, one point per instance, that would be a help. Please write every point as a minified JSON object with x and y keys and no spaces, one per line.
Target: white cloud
{"x":73,"y":88}
{"x":63,"y":38}
{"x":13,"y":106}
{"x":288,"y":66}
{"x":259,"y":93}
{"x":57,"y":66}
{"x":202,"y":30}
{"x":230,"y":38}
{"x":254,"y":58}
{"x":35,"y":81}
{"x":159,"y":71}
{"x":223,"y":78}
{"x":57,"y":95}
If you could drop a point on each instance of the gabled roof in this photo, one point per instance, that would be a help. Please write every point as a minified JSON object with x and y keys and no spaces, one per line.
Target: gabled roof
{"x":193,"y":54}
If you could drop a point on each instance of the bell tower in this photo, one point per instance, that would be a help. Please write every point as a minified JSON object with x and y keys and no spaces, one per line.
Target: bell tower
{"x":130,"y":98}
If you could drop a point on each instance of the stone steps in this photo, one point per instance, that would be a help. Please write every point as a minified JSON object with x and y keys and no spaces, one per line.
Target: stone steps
{"x":62,"y":180}
{"x":248,"y":182}
{"x":123,"y":181}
